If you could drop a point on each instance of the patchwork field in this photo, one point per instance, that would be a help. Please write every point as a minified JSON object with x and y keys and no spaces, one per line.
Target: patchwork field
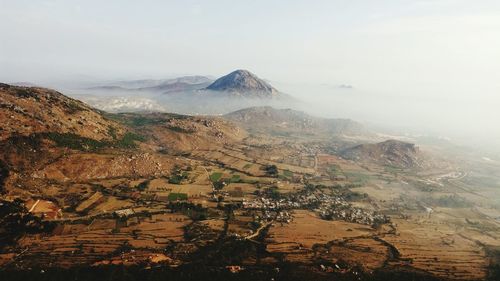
{"x":99,"y":239}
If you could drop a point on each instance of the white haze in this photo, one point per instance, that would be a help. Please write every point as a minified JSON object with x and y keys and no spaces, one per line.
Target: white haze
{"x":471,"y":122}
{"x":422,"y":66}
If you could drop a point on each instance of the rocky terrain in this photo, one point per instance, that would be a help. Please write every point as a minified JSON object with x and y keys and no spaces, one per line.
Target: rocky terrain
{"x":26,"y":111}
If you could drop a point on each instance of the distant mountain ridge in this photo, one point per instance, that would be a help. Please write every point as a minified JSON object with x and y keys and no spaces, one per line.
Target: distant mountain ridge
{"x":244,"y":83}
{"x":192,"y":95}
{"x":184,"y":83}
{"x":288,"y":120}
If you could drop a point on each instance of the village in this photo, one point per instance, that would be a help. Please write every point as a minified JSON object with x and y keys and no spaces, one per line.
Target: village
{"x":328,"y":206}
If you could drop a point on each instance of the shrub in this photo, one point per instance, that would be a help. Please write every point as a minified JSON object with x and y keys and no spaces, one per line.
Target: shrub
{"x":218,"y":185}
{"x":128,"y":140}
{"x":74,"y":141}
{"x":143,"y":185}
{"x":4,"y":174}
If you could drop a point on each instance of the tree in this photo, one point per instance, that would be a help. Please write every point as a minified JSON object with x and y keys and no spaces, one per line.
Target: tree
{"x":218,"y":185}
{"x":271,"y":170}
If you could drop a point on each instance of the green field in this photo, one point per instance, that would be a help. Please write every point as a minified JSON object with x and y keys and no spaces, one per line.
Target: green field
{"x":177,"y":196}
{"x":215,"y":177}
{"x":357,"y":177}
{"x":334,"y":170}
{"x":235,"y":178}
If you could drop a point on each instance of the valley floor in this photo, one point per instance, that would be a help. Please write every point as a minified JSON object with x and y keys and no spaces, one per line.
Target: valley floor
{"x":239,"y":210}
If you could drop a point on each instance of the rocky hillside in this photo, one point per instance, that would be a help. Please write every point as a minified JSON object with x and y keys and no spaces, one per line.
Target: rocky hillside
{"x":25,"y":111}
{"x":389,"y":153}
{"x":270,"y":119}
{"x":183,"y":133}
{"x":244,"y":83}
{"x":48,"y":139}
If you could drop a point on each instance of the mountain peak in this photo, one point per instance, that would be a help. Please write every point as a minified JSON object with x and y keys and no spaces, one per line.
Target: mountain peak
{"x":243,"y":83}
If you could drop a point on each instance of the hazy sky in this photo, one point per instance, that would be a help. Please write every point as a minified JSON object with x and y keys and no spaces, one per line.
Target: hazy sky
{"x":417,"y":52}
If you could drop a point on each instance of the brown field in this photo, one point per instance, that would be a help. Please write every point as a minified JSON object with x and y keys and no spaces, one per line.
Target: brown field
{"x":363,"y":252}
{"x":237,"y":162}
{"x":297,"y":239}
{"x":309,"y":229}
{"x":192,"y":190}
{"x":384,"y":192}
{"x":96,"y":198}
{"x":110,"y":204}
{"x":110,"y":183}
{"x":214,"y":224}
{"x":287,"y":187}
{"x":240,"y":225}
{"x":246,"y":188}
{"x":439,"y":249}
{"x":251,"y":165}
{"x":162,"y":187}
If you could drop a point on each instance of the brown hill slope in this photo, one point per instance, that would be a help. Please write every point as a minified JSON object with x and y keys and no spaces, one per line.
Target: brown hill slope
{"x":176,"y":132}
{"x":25,"y":111}
{"x":391,"y":153}
{"x":50,"y":139}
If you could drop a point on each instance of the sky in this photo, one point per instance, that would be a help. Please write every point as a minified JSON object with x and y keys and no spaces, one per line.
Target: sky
{"x":420,"y":63}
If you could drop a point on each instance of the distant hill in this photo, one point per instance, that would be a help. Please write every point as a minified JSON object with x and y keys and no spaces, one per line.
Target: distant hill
{"x":390,"y":153}
{"x":245,"y":84}
{"x":192,"y":95}
{"x":180,"y":84}
{"x":175,"y":87}
{"x":288,"y":120}
{"x":24,"y":84}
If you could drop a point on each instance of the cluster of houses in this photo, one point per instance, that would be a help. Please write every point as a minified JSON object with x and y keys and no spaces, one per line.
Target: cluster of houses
{"x":328,"y":206}
{"x":270,"y":204}
{"x":353,"y":214}
{"x":282,"y":216}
